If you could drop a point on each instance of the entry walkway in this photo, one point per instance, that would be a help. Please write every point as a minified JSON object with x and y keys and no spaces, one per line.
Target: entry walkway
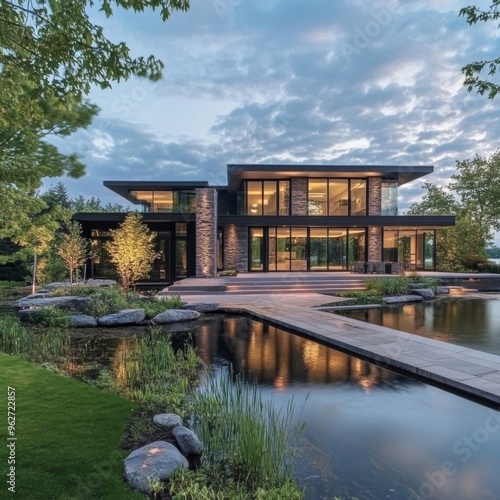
{"x":474,"y":373}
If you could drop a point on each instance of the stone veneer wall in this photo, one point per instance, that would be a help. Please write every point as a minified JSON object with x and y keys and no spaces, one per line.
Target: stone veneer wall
{"x":236,"y":248}
{"x":374,"y":196}
{"x":206,"y":233}
{"x":375,"y":243}
{"x":298,"y":195}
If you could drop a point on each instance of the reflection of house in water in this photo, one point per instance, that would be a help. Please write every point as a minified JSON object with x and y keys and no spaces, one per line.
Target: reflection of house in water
{"x":273,"y":356}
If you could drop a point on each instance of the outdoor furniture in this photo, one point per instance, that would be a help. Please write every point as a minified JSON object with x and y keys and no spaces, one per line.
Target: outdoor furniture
{"x":358,"y":267}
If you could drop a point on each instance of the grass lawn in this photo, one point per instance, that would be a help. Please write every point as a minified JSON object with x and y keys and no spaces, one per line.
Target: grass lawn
{"x":68,"y":436}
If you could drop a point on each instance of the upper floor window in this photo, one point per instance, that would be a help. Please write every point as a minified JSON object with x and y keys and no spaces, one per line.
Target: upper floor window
{"x":336,"y":197}
{"x":181,"y":201}
{"x":267,"y":197}
{"x":389,"y":198}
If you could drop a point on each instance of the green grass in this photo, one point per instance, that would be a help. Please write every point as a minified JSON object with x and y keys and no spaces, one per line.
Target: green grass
{"x":68,"y":436}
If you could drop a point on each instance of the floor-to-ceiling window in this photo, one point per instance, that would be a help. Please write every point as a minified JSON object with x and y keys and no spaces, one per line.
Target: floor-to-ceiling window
{"x":336,"y":197}
{"x":305,"y":249}
{"x":412,"y":247}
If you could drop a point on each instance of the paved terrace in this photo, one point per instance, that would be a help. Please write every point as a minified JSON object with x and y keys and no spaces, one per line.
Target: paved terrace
{"x":471,"y":372}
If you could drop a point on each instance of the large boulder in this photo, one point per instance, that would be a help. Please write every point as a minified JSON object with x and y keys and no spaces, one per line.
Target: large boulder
{"x":70,"y":302}
{"x":82,"y":321}
{"x":201,"y":307}
{"x":397,"y":299}
{"x":168,"y":421}
{"x":426,"y":293}
{"x":175,"y":315}
{"x":188,"y":441}
{"x":153,"y":462}
{"x":125,"y":317}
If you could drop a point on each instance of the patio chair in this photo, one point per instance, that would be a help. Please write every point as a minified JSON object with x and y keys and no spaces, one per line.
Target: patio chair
{"x":358,"y":267}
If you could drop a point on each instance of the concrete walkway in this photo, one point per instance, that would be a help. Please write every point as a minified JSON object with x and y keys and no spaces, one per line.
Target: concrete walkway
{"x":474,"y":373}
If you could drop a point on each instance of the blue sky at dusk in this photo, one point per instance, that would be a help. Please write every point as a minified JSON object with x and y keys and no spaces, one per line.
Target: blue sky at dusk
{"x":291,"y":81}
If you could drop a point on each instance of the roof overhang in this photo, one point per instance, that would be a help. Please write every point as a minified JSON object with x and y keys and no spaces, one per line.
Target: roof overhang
{"x":402,"y":173}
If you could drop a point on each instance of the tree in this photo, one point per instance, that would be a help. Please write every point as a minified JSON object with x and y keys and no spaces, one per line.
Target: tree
{"x":472,"y":71}
{"x":57,"y":45}
{"x":460,"y":247}
{"x":82,"y":204}
{"x":132,"y":250}
{"x":477,"y":183}
{"x":73,"y":248}
{"x":51,"y":54}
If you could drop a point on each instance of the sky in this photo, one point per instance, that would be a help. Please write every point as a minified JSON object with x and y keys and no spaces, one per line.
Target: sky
{"x":291,"y":81}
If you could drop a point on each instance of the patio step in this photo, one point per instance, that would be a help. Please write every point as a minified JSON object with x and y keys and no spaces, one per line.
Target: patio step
{"x":272,"y":284}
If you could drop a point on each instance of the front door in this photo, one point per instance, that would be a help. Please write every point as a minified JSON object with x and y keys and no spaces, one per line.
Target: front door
{"x":162,"y":265}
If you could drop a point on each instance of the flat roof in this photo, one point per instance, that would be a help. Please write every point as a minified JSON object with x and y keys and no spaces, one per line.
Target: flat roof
{"x":402,"y":173}
{"x":124,"y":187}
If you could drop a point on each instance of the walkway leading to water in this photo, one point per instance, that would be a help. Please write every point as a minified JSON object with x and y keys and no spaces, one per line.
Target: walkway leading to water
{"x":472,"y":372}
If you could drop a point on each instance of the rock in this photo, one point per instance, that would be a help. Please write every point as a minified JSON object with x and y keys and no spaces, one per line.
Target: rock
{"x":82,"y":321}
{"x":442,"y":290}
{"x":426,"y":293}
{"x":396,"y":299}
{"x":174,"y":315}
{"x":125,"y":317}
{"x":168,"y":421}
{"x":71,"y":302}
{"x":37,"y":295}
{"x":188,"y":441}
{"x":58,"y":284}
{"x":201,"y":307}
{"x":100,"y":282}
{"x":153,"y":462}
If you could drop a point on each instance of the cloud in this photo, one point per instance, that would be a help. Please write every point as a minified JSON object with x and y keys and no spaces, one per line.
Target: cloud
{"x":292,"y":81}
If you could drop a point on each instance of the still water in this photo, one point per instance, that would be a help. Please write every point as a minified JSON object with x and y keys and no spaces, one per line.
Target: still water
{"x":370,"y":433}
{"x":473,"y":323}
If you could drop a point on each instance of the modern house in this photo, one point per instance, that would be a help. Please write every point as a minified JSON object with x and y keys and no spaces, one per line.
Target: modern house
{"x":273,"y":218}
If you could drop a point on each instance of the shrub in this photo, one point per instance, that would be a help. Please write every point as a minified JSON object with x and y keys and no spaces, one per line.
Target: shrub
{"x":50,"y":316}
{"x":106,"y":301}
{"x":362,"y":298}
{"x":387,"y":286}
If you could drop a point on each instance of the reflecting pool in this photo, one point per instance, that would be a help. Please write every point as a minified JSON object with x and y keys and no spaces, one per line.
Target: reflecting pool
{"x":370,"y":433}
{"x":473,"y":323}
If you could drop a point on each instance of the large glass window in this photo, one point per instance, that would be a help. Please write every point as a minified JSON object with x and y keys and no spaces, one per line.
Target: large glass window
{"x":317,"y":197}
{"x":257,"y":249}
{"x":181,"y":201}
{"x":267,"y":198}
{"x":358,"y":196}
{"x":413,"y":248}
{"x":304,"y":249}
{"x":338,"y":197}
{"x":356,"y":246}
{"x":389,"y":198}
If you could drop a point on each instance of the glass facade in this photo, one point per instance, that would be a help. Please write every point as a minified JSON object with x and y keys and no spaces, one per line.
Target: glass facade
{"x":305,"y":249}
{"x":336,"y":197}
{"x":267,"y":198}
{"x":414,"y":248}
{"x":181,"y":201}
{"x":389,"y":198}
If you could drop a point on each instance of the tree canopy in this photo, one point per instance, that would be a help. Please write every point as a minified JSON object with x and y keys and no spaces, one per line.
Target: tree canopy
{"x":474,"y":72}
{"x":51,"y":54}
{"x":472,"y":196}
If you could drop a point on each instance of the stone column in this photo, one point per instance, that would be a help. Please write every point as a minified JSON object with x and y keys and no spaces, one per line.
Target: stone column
{"x":206,"y":233}
{"x":236,"y":248}
{"x":298,"y":196}
{"x":375,"y":243}
{"x":374,"y":196}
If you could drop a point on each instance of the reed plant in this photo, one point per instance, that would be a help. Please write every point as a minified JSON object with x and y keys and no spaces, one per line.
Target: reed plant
{"x":40,"y":345}
{"x":157,"y":374}
{"x":246,"y":441}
